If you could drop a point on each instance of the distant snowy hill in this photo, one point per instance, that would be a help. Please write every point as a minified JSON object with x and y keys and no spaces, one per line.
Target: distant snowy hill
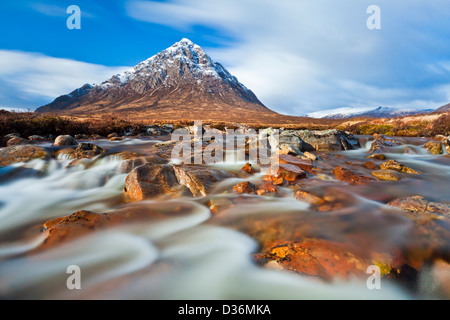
{"x":380,"y":112}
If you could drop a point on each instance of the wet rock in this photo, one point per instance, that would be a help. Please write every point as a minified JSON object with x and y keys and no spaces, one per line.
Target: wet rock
{"x":82,"y":223}
{"x":116,"y":139}
{"x":200,"y":180}
{"x":18,"y":142}
{"x":66,"y":153}
{"x":396,"y":166}
{"x":36,"y":138}
{"x":319,"y":258}
{"x":88,"y":150}
{"x":327,"y":140}
{"x":266,"y":188}
{"x":288,"y":172}
{"x":349,"y":176}
{"x":244,"y":187}
{"x":309,"y":156}
{"x":308,"y":197}
{"x":152,"y":180}
{"x":377,"y":156}
{"x":383,"y":144}
{"x":305,"y":165}
{"x":387,"y":175}
{"x":113,"y":135}
{"x":248,"y":168}
{"x":371,"y":166}
{"x":418,"y":205}
{"x":63,"y":141}
{"x":219,"y":204}
{"x":290,"y":143}
{"x":20,"y":153}
{"x":434,"y":147}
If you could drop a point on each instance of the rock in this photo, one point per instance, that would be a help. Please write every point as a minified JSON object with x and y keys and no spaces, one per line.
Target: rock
{"x":244,"y":187}
{"x":113,"y":135}
{"x":19,"y":153}
{"x":418,"y":205}
{"x":446,"y":144}
{"x":309,"y":156}
{"x":394,"y":165}
{"x":248,"y":168}
{"x":88,"y":150}
{"x":61,"y":230}
{"x":12,"y":135}
{"x":153,"y":180}
{"x":383,"y":144}
{"x":36,"y":138}
{"x":319,"y":258}
{"x":378,"y":156}
{"x":81,"y":137}
{"x":18,"y":142}
{"x":288,"y":172}
{"x":63,"y":141}
{"x":116,"y":139}
{"x":387,"y":175}
{"x":200,"y":180}
{"x":327,"y":140}
{"x":434,"y":147}
{"x":219,"y":204}
{"x":308,"y":197}
{"x":349,"y":176}
{"x":66,"y":154}
{"x":290,"y":143}
{"x":305,"y":165}
{"x":266,"y":188}
{"x":371,"y":166}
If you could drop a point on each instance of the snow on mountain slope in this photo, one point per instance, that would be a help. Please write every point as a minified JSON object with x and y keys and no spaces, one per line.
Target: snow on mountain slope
{"x":380,"y":112}
{"x":183,"y":75}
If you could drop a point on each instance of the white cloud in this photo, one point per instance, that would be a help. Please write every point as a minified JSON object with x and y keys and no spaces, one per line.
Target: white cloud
{"x":30,"y":79}
{"x":303,"y":56}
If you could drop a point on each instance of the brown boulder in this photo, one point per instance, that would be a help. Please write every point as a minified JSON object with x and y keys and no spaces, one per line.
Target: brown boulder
{"x":63,"y":141}
{"x":394,"y":165}
{"x":305,"y":165}
{"x":19,"y":153}
{"x":349,"y":176}
{"x":387,"y":175}
{"x":200,"y":180}
{"x":18,"y":142}
{"x":288,"y":172}
{"x":418,"y":205}
{"x":152,"y":180}
{"x":434,"y":147}
{"x":244,"y":187}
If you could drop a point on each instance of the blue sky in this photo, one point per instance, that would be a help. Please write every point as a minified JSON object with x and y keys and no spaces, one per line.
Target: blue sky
{"x":298,"y":56}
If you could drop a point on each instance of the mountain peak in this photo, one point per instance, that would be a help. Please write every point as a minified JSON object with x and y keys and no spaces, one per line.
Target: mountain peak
{"x":181,"y":75}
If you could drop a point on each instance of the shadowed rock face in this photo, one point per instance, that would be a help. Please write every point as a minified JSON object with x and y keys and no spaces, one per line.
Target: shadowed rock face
{"x":182,"y":78}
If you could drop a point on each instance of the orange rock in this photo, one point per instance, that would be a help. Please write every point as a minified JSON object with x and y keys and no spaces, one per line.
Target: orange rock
{"x":370,"y":165}
{"x":316,"y":257}
{"x":244,"y":187}
{"x":248,"y":168}
{"x":288,"y":172}
{"x":266,"y":188}
{"x":303,"y":164}
{"x":346,"y":175}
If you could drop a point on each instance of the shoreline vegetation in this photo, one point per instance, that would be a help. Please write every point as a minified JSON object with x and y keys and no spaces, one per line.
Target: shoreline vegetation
{"x":26,"y":124}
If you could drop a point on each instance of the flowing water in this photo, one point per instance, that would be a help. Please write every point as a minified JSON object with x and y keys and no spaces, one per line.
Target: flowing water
{"x":193,"y":255}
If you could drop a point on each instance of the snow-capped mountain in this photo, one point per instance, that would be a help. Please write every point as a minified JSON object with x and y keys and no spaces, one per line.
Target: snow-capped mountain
{"x":180,"y":80}
{"x":380,"y":112}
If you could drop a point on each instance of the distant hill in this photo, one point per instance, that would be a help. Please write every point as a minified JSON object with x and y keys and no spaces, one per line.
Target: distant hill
{"x":445,"y":108}
{"x":380,"y":112}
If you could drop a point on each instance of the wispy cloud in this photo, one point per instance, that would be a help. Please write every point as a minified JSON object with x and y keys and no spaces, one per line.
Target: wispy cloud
{"x":302,"y":56}
{"x":30,"y":79}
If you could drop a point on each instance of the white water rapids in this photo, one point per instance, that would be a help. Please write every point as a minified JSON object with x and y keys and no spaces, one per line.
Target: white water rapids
{"x":177,"y":258}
